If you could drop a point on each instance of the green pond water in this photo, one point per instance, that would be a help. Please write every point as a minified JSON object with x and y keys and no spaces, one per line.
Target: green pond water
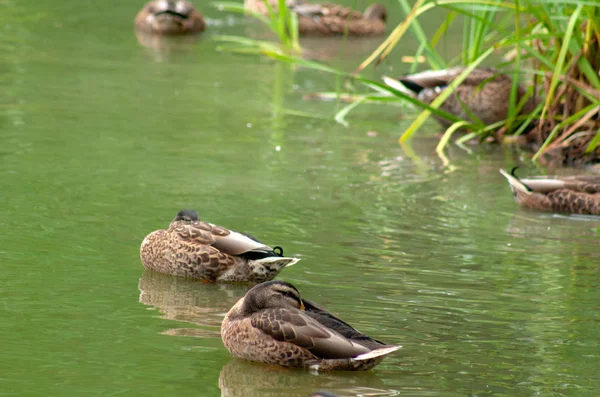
{"x":103,"y":140}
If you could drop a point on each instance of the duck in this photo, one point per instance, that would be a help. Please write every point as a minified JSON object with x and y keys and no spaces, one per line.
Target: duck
{"x":169,"y":17}
{"x":259,"y":6}
{"x":196,"y":249}
{"x":570,"y":195}
{"x":484,"y":95}
{"x":273,"y":324}
{"x":329,"y":19}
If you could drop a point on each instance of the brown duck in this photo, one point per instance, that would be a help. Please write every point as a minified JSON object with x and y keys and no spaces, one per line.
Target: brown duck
{"x":573,"y":195}
{"x":169,"y":17}
{"x":201,"y":250}
{"x":484,"y":95}
{"x":272,"y":324}
{"x":260,"y":7}
{"x":329,"y":19}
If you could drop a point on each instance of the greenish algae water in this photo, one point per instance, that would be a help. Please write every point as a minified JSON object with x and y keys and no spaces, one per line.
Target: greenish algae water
{"x":104,"y":140}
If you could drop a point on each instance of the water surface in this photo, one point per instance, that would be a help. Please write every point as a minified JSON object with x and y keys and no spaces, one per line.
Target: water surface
{"x":104,"y":140}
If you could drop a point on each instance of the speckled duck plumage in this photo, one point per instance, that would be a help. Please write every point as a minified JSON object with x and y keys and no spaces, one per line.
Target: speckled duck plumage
{"x":329,"y":19}
{"x":201,"y":250}
{"x":169,"y":17}
{"x":272,"y":324}
{"x":484,"y":93}
{"x":571,"y":195}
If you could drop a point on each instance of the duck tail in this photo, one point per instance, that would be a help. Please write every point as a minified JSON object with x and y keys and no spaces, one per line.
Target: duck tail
{"x":403,"y":86}
{"x":384,"y":351}
{"x":515,"y":184}
{"x":277,"y":261}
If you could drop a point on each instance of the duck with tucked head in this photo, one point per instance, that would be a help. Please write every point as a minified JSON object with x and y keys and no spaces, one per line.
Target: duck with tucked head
{"x":330,"y":19}
{"x":272,"y":324}
{"x":260,"y":7}
{"x":169,"y":17}
{"x":483,"y":95}
{"x":201,"y":250}
{"x":571,"y":195}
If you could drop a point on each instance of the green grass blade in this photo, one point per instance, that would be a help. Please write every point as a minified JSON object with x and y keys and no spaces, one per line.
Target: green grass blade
{"x":443,"y":96}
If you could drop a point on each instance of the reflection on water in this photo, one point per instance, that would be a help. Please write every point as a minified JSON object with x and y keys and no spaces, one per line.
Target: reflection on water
{"x":161,"y":47}
{"x":241,"y":378}
{"x":191,"y":301}
{"x":531,"y":224}
{"x":320,"y":48}
{"x":99,"y":141}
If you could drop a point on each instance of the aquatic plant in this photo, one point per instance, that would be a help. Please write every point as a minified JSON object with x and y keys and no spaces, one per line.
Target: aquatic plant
{"x":553,"y":46}
{"x":556,"y":45}
{"x":283,"y":23}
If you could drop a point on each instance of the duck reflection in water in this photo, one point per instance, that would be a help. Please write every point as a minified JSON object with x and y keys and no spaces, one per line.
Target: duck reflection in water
{"x":246,"y":379}
{"x":190,"y":301}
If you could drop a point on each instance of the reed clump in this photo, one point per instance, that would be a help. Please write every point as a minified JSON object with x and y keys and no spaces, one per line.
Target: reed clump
{"x":552,"y":48}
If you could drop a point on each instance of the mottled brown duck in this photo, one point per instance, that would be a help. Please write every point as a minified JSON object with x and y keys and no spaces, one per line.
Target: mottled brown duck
{"x":272,"y":324}
{"x":260,"y":7}
{"x":329,"y":19}
{"x":571,"y":195}
{"x":201,"y":250}
{"x":169,"y":17}
{"x":484,"y":95}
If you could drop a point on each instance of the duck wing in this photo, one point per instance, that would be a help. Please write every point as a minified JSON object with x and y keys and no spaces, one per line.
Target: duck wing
{"x":328,"y":10}
{"x":295,"y":326}
{"x":583,"y":183}
{"x":441,"y":78}
{"x":225,"y":240}
{"x":330,"y":321}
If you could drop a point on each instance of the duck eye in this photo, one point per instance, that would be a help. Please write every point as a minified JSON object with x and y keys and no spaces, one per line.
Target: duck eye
{"x":285,"y":293}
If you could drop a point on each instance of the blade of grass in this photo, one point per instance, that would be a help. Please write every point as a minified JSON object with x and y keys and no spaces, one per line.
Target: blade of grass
{"x":393,"y":38}
{"x":340,"y":116}
{"x":571,"y":119}
{"x":448,"y":134}
{"x":443,"y":96}
{"x":561,"y":60}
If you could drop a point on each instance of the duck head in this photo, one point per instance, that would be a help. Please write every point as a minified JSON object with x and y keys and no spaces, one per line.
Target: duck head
{"x":187,"y":216}
{"x":376,"y":11}
{"x":169,"y":17}
{"x":271,"y":295}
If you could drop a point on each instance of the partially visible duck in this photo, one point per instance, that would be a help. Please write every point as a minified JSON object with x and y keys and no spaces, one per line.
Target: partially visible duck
{"x":484,"y":94}
{"x":333,"y":20}
{"x":572,"y":195}
{"x":329,"y":19}
{"x":272,"y":324}
{"x":201,"y":250}
{"x":260,"y":7}
{"x":169,"y":17}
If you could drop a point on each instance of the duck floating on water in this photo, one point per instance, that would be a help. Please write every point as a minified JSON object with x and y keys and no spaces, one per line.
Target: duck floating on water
{"x":272,"y":324}
{"x":169,"y":17}
{"x":197,"y":249}
{"x":484,"y":93}
{"x":571,"y":195}
{"x":329,"y":19}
